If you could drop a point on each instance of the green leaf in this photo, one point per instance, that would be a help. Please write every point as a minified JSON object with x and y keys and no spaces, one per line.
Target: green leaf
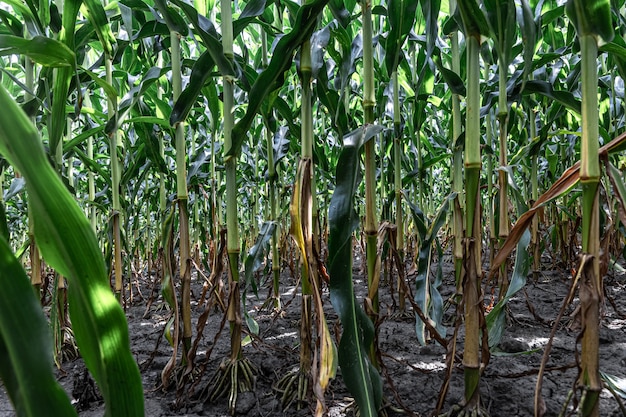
{"x":592,"y":18}
{"x":496,"y":319}
{"x":209,"y":37}
{"x":546,"y":89}
{"x":45,"y":51}
{"x":69,"y":245}
{"x":200,"y":72}
{"x":257,"y":253}
{"x":401,"y":17}
{"x":26,"y":365}
{"x":272,"y":77}
{"x":501,"y":18}
{"x":360,"y":376}
{"x":474,"y":21}
{"x":425,"y":292}
{"x":149,"y":78}
{"x":528,"y":27}
{"x":57,"y":121}
{"x":430,"y":11}
{"x":253,"y":9}
{"x":98,"y":19}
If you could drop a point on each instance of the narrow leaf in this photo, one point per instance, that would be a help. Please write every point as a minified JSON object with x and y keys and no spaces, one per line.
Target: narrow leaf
{"x":360,"y":376}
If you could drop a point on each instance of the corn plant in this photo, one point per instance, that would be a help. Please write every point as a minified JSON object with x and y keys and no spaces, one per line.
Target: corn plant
{"x":68,"y":244}
{"x":179,"y":125}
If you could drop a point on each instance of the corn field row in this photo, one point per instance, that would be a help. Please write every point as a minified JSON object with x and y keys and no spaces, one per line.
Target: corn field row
{"x":178,"y":139}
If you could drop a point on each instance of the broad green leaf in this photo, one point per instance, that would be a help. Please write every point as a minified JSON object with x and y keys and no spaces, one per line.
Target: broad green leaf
{"x":496,"y":319}
{"x":528,"y":29}
{"x":452,"y":79}
{"x":474,"y":21}
{"x":253,"y":9}
{"x":26,"y":365}
{"x":202,"y":69}
{"x":272,"y":77}
{"x":430,"y":11}
{"x":209,"y":36}
{"x":69,"y":245}
{"x":258,"y":251}
{"x":319,"y":42}
{"x":401,"y":17}
{"x":28,"y":12}
{"x":149,"y":78}
{"x":12,"y":24}
{"x":425,"y":292}
{"x":501,"y":17}
{"x":280,"y":144}
{"x":108,"y":88}
{"x":591,"y":18}
{"x":98,"y":18}
{"x":57,"y":121}
{"x":45,"y":51}
{"x":619,"y":189}
{"x":566,"y":98}
{"x":174,"y":21}
{"x":339,"y":11}
{"x":360,"y":376}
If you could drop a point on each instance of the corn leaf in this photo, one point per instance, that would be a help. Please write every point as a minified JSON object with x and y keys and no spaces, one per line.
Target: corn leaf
{"x":257,"y":253}
{"x":26,"y":365}
{"x":200,"y":72}
{"x":501,"y":18}
{"x":496,"y":319}
{"x":45,"y":51}
{"x":209,"y":36}
{"x":474,"y":21}
{"x":360,"y":376}
{"x":528,"y":28}
{"x":69,"y":245}
{"x":425,"y":292}
{"x":99,"y":21}
{"x":401,"y":17}
{"x":272,"y":77}
{"x":591,"y":17}
{"x":57,"y":120}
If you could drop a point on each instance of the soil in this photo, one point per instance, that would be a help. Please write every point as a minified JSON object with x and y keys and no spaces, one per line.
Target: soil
{"x":412,"y":374}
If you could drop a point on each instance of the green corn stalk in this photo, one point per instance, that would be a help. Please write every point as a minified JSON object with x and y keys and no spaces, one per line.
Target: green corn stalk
{"x":593,"y":23}
{"x":401,"y":16}
{"x":371,"y":223}
{"x":296,"y":386}
{"x":35,"y":260}
{"x":271,"y":185}
{"x":474,"y":25}
{"x":534,"y":192}
{"x":115,"y":185}
{"x":457,"y":158}
{"x":230,"y":163}
{"x":502,"y":17}
{"x":182,"y":199}
{"x":397,"y":162}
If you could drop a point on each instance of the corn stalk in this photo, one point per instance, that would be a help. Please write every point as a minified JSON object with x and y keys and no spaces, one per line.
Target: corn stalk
{"x":593,"y":23}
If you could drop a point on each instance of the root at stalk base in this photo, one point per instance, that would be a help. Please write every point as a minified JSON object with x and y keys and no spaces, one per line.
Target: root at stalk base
{"x":233,"y":377}
{"x":465,"y":411}
{"x":293,"y":387}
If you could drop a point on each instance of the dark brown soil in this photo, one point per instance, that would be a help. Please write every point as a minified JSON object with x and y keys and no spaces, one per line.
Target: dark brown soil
{"x":413,"y":374}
